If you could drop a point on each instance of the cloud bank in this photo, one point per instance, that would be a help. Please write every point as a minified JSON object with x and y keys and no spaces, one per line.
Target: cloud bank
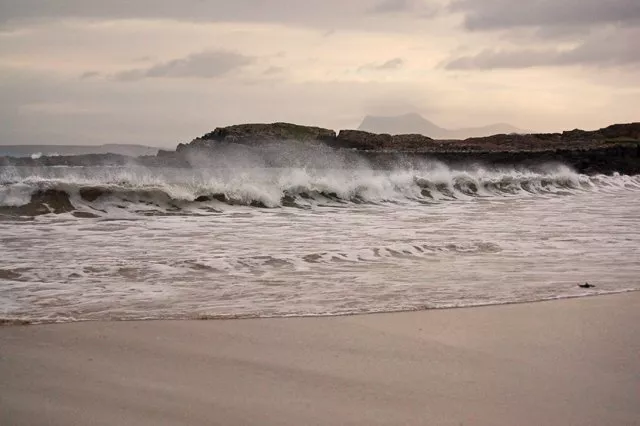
{"x":209,"y":64}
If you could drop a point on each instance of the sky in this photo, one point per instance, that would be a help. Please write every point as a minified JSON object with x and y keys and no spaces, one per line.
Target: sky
{"x":161,"y":72}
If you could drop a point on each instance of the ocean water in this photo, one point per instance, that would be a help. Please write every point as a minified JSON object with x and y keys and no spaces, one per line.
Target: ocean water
{"x":302,"y":241}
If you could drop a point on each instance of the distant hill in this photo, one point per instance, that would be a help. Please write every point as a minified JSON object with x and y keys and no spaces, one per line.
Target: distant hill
{"x":415,"y":123}
{"x":49,"y":150}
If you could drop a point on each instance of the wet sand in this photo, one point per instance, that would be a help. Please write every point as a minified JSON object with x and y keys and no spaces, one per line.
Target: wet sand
{"x":567,"y":362}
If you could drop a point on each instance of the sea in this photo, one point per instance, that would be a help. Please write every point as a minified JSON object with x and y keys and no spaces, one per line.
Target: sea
{"x":245,"y":240}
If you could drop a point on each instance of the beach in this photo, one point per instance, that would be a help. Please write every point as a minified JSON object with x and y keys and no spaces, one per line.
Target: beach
{"x":564,"y":362}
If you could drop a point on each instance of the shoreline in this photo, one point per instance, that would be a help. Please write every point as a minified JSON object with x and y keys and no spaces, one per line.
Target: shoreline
{"x":21,"y":322}
{"x":572,"y":361}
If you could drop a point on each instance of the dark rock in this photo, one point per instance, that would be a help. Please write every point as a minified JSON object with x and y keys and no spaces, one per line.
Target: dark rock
{"x":71,"y":160}
{"x":259,"y":134}
{"x":580,"y":135}
{"x":629,"y":130}
{"x":612,"y":149}
{"x":410,"y":142}
{"x":365,"y":141}
{"x":361,"y":140}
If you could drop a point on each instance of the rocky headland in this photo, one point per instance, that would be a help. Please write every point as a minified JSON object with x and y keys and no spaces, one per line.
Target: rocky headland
{"x":612,"y":149}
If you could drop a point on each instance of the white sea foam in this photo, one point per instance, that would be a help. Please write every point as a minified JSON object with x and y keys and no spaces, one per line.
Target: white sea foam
{"x":331,"y":241}
{"x":302,"y":187}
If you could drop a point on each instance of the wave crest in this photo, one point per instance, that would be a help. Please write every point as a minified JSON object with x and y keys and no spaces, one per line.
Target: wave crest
{"x":24,"y":191}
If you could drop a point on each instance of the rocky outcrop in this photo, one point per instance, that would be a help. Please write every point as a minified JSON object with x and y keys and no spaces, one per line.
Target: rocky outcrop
{"x":258,"y":134}
{"x":571,"y":139}
{"x":411,"y":142}
{"x":365,"y":141}
{"x":619,"y":131}
{"x":69,"y":160}
{"x":622,"y":158}
{"x":74,"y":150}
{"x":614,"y":148}
{"x":358,"y":139}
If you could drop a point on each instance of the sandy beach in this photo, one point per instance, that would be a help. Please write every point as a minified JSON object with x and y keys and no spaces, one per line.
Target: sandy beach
{"x":566,"y":362}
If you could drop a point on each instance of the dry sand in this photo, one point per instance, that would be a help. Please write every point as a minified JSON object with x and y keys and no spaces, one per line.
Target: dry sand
{"x":569,"y":362}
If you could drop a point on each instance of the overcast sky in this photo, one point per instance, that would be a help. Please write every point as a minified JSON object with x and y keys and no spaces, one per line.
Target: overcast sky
{"x":160,"y":72}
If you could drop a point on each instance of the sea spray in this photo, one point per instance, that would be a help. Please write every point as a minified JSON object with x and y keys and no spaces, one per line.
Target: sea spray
{"x":184,"y":189}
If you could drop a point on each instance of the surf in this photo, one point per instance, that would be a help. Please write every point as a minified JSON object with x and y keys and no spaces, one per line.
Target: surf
{"x":98,"y":190}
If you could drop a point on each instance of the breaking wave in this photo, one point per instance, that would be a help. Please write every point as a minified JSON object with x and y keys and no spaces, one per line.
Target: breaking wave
{"x":95,"y":191}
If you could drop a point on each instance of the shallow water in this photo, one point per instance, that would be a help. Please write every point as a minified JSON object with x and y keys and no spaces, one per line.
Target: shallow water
{"x":352,"y":241}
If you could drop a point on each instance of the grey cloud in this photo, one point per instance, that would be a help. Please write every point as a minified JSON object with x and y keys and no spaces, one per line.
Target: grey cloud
{"x":417,"y":8}
{"x":89,"y":74}
{"x":492,"y":59}
{"x":324,"y":14}
{"x":565,"y":32}
{"x":273,"y":71}
{"x":391,"y":64}
{"x":501,"y":14}
{"x":613,"y":49}
{"x":618,"y":48}
{"x":393,"y":6}
{"x":197,"y":10}
{"x":209,"y":64}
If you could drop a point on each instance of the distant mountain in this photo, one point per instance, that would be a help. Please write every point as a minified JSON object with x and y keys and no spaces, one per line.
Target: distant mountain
{"x":415,"y":123}
{"x":48,"y":150}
